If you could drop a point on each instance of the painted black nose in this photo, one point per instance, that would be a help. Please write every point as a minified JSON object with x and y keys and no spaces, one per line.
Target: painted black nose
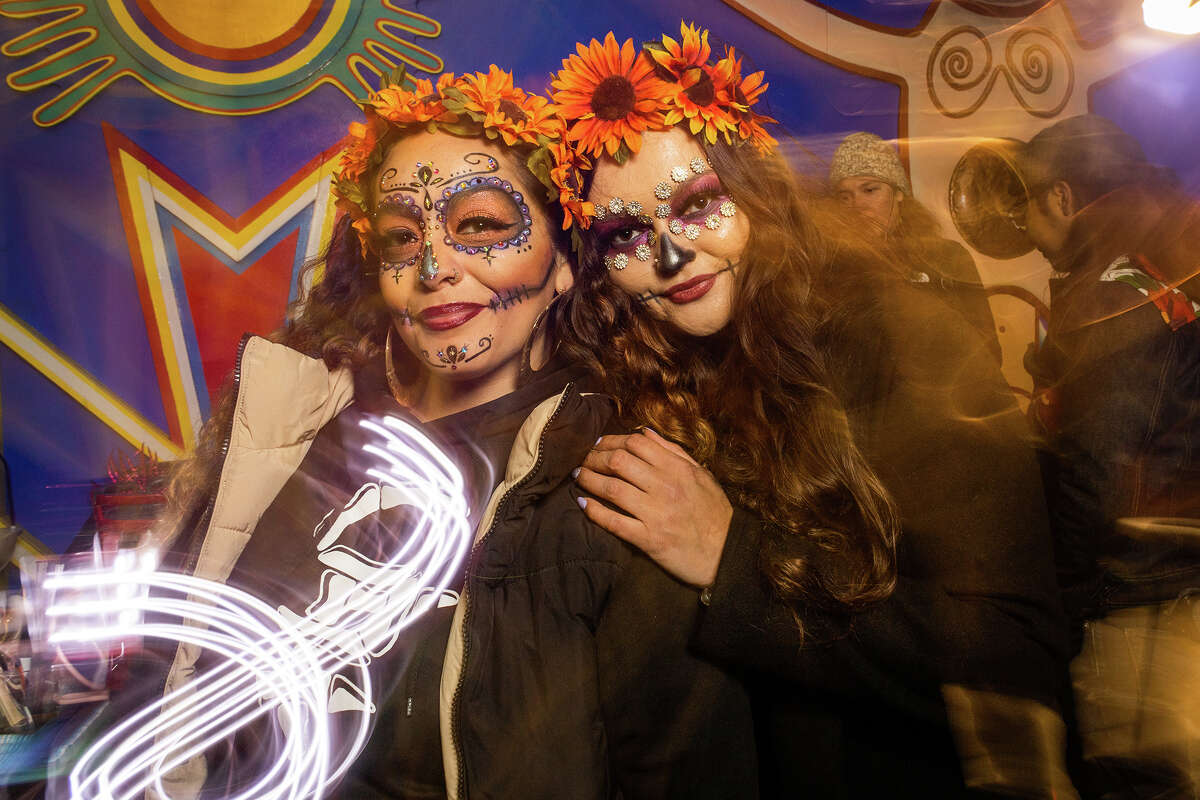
{"x":672,"y":257}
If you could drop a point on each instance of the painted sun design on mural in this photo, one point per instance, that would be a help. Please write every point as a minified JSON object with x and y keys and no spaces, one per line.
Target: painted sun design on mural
{"x":220,"y":57}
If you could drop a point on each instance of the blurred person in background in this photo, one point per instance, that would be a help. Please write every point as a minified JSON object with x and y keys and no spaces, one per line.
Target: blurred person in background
{"x":868,"y":179}
{"x":1117,"y":400}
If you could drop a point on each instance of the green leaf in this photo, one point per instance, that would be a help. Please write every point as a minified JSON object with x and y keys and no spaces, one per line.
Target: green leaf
{"x":397,"y":77}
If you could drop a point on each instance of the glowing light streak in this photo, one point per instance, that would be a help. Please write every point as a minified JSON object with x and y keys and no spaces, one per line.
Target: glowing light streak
{"x":275,"y":663}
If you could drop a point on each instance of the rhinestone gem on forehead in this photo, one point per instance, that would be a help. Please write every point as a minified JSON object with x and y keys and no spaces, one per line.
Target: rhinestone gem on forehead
{"x":712,"y":222}
{"x":692,"y":232}
{"x":643,"y":252}
{"x":662,"y":190}
{"x":601,"y":211}
{"x":679,"y":174}
{"x":662,"y":211}
{"x":675,"y":227}
{"x":400,"y":199}
{"x":526,"y":221}
{"x":616,"y":205}
{"x":633,"y":207}
{"x":728,"y":209}
{"x":697,"y":164}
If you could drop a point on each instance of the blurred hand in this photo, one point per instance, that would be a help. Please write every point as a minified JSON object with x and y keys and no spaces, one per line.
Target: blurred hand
{"x":675,"y":511}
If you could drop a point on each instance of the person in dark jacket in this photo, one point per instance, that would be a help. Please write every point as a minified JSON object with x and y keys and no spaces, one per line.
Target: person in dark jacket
{"x":1118,"y":374}
{"x":868,"y":179}
{"x":774,"y":352}
{"x":1117,"y":401}
{"x":554,"y":662}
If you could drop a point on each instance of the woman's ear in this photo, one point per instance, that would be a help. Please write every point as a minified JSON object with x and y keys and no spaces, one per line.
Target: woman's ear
{"x":564,"y":277}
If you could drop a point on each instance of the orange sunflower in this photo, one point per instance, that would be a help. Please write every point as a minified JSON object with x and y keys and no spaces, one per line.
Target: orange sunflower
{"x":494,"y":102}
{"x":739,"y":95}
{"x":423,"y":103}
{"x":698,"y":88}
{"x":608,"y":94}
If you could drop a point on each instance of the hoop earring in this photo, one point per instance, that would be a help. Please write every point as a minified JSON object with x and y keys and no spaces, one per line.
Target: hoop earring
{"x":389,"y":369}
{"x":526,"y":369}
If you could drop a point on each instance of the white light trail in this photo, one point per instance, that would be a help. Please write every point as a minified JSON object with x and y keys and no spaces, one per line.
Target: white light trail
{"x":275,"y":663}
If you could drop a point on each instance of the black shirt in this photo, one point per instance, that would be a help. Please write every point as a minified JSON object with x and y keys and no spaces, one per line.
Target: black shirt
{"x":282,"y":565}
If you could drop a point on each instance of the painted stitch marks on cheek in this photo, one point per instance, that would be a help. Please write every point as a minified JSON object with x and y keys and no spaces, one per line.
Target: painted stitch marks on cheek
{"x":504,"y":299}
{"x":507,"y":298}
{"x":451,"y":356}
{"x":647,"y":296}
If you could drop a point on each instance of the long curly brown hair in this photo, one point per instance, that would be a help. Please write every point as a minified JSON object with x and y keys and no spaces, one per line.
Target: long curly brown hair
{"x":342,"y":320}
{"x":752,"y":403}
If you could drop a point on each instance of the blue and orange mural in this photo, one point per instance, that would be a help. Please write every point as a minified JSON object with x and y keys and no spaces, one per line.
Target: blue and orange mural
{"x":167,"y":167}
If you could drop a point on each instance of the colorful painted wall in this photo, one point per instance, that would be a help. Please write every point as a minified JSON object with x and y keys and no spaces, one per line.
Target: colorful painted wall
{"x":166,"y":164}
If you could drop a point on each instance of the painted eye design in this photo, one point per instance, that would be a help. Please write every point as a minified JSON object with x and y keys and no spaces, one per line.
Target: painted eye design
{"x":481,"y":225}
{"x":483,"y":214}
{"x":624,"y":237}
{"x":698,"y":203}
{"x":397,"y":245}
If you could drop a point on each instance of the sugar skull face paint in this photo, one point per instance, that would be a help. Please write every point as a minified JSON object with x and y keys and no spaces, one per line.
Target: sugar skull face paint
{"x":471,"y":196}
{"x":486,"y":262}
{"x":694,"y":240}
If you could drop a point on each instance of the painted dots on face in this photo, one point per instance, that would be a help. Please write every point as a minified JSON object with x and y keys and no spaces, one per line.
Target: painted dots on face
{"x":483,"y":214}
{"x":699,"y":202}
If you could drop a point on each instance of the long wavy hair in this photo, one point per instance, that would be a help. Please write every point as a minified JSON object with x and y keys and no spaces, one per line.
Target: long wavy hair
{"x":342,"y":320}
{"x":752,"y":403}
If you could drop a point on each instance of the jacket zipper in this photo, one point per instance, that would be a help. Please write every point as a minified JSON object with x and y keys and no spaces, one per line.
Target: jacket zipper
{"x":471,"y":558}
{"x":206,"y":518}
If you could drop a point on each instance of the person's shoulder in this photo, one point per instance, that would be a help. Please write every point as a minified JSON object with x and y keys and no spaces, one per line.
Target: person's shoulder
{"x":1127,"y":293}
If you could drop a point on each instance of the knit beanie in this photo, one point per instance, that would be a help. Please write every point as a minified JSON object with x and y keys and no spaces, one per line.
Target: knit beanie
{"x":866,"y":155}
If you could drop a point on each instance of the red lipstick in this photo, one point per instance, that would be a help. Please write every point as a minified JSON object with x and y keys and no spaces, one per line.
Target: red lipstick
{"x":690,"y":290}
{"x":450,"y":315}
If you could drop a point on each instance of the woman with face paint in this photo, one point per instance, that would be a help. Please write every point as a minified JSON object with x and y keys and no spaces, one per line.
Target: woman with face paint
{"x":788,"y":384}
{"x":868,"y":179}
{"x":553,"y":664}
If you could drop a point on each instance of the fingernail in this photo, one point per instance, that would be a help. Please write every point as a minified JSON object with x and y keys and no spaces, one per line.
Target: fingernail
{"x":648,"y":428}
{"x":597,"y":442}
{"x":575,"y":473}
{"x":582,"y":501}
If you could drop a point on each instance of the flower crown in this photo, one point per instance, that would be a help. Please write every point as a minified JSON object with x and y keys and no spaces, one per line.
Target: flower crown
{"x":469,"y":105}
{"x":608,"y":94}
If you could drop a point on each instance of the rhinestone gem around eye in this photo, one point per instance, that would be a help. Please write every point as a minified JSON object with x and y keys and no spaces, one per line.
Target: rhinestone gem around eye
{"x":692,"y":232}
{"x":601,"y":211}
{"x":643,"y":252}
{"x":675,"y":227}
{"x":728,"y":209}
{"x":712,"y":222}
{"x":616,"y":205}
{"x":633,"y":207}
{"x":697,"y":165}
{"x":679,"y":174}
{"x":662,"y":211}
{"x":662,"y":190}
{"x":619,"y":261}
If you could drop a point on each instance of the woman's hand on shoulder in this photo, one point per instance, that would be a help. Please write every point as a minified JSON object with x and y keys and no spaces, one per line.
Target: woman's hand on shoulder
{"x":675,"y":511}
